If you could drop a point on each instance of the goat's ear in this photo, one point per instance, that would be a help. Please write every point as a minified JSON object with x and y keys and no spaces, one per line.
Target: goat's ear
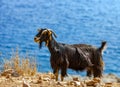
{"x":51,"y":32}
{"x":54,"y":34}
{"x":39,"y":30}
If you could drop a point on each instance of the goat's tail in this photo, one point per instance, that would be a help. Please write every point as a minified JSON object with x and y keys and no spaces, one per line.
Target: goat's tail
{"x":103,"y":46}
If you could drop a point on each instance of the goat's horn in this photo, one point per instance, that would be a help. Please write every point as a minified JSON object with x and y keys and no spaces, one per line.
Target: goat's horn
{"x":43,"y":31}
{"x":53,"y":33}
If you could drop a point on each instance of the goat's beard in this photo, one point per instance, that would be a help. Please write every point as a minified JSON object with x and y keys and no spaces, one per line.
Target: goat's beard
{"x":40,"y":45}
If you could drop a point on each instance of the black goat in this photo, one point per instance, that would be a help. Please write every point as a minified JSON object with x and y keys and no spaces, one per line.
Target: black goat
{"x":77,"y":56}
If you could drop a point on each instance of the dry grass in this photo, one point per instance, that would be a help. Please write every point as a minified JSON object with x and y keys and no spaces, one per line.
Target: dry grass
{"x":23,"y":66}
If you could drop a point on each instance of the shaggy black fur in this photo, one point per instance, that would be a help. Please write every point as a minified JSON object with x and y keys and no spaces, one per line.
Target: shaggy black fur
{"x":78,"y":57}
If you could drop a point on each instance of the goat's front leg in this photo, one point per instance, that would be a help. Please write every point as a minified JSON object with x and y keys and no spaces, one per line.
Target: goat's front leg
{"x":97,"y":71}
{"x":62,"y":78}
{"x":64,"y":68}
{"x":63,"y":72}
{"x":56,"y":72}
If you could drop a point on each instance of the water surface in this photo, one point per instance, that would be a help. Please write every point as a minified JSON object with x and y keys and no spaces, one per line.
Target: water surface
{"x":74,"y":21}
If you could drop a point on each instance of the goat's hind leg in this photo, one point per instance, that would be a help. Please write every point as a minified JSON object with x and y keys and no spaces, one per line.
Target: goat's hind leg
{"x":63,"y":73}
{"x":89,"y":72}
{"x":97,"y":71}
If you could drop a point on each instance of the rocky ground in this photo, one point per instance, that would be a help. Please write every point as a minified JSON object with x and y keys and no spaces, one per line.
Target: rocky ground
{"x":9,"y":78}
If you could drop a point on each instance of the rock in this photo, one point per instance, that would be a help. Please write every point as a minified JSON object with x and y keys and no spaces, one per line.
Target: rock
{"x":116,"y":84}
{"x":83,"y":84}
{"x":118,"y":79}
{"x":75,"y":79}
{"x":68,"y":83}
{"x":52,"y":76}
{"x":77,"y":83}
{"x":46,"y":79}
{"x":110,"y":78}
{"x":8,"y":76}
{"x":10,"y":72}
{"x":108,"y":84}
{"x":25,"y":84}
{"x":6,"y":72}
{"x":46,"y":76}
{"x":98,"y":85}
{"x":62,"y":83}
{"x":39,"y":81}
{"x":91,"y":83}
{"x":111,"y":75}
{"x":15,"y":74}
{"x":74,"y":83}
{"x":59,"y":83}
{"x":19,"y":82}
{"x":97,"y":80}
{"x":36,"y":81}
{"x":40,"y":78}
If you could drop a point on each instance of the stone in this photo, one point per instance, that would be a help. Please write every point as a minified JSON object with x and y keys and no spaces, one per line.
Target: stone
{"x":25,"y":84}
{"x":46,"y":79}
{"x":59,"y":83}
{"x":75,"y":79}
{"x":91,"y":83}
{"x":77,"y":83}
{"x":6,"y":72}
{"x":62,"y":84}
{"x":8,"y":76}
{"x":97,"y":80}
{"x":108,"y":84}
{"x":15,"y":74}
{"x":71,"y":83}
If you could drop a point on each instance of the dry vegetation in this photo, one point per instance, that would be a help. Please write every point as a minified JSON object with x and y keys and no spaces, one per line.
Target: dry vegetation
{"x":22,"y":66}
{"x":22,"y":72}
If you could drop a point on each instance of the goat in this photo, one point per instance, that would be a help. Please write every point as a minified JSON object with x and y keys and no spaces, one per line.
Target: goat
{"x":78,"y":57}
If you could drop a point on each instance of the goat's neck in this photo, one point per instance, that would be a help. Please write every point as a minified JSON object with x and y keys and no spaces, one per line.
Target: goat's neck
{"x":52,"y":45}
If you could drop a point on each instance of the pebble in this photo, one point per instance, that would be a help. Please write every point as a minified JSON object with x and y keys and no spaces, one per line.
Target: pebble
{"x":15,"y":74}
{"x":46,"y":79}
{"x":25,"y":84}
{"x":75,"y":79}
{"x":77,"y":83}
{"x":6,"y":72}
{"x":62,"y":83}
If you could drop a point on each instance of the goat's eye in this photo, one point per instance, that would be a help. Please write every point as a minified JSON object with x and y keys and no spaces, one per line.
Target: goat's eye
{"x":46,"y":33}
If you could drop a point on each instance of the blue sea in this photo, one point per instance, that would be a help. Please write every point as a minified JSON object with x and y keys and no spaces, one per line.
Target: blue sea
{"x":74,"y":21}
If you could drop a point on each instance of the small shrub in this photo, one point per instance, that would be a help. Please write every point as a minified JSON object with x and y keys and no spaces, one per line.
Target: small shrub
{"x":23,"y":66}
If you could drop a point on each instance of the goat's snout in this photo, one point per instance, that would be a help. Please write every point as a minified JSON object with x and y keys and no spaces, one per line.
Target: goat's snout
{"x":36,"y":39}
